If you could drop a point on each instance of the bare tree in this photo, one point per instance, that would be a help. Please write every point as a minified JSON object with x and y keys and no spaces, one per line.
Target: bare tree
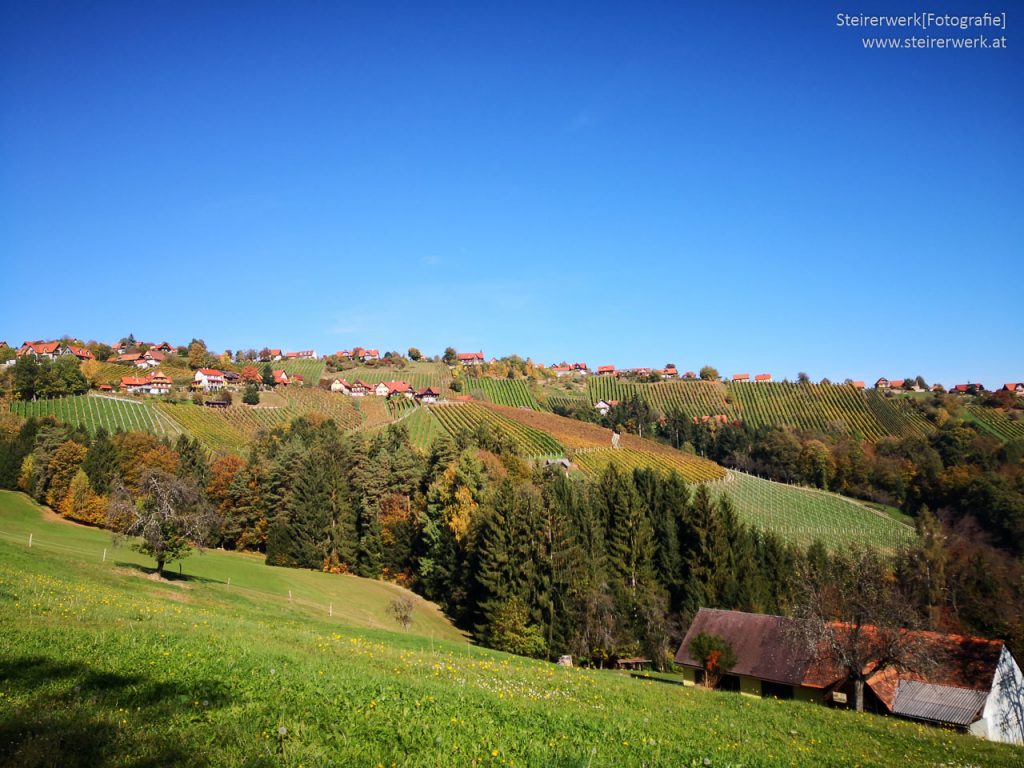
{"x":401,"y":608}
{"x":169,"y":514}
{"x":852,"y":615}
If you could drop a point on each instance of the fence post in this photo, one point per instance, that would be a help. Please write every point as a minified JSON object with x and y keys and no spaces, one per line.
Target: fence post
{"x":289,"y":595}
{"x":30,"y":540}
{"x":229,"y":582}
{"x":104,"y":554}
{"x":330,"y":609}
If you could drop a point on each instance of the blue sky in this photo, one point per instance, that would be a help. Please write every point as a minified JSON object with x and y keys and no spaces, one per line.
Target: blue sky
{"x":739,"y":184}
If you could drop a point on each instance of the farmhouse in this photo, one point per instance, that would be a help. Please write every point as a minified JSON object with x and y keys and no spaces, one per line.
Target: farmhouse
{"x":270,"y":355}
{"x":740,"y":377}
{"x":669,"y":372}
{"x":208,"y":379}
{"x":393,"y":389}
{"x":51,"y":350}
{"x":342,"y":386}
{"x":360,"y":388}
{"x":606,"y":370}
{"x":281,"y":378}
{"x":689,"y":375}
{"x":163,"y":347}
{"x":427,"y":395}
{"x":82,"y":353}
{"x":305,"y":354}
{"x":976,"y":686}
{"x":763,"y":377}
{"x":154,"y":383}
{"x":896,"y":383}
{"x":562,"y":370}
{"x":471,"y":358}
{"x":1016,"y":387}
{"x":603,"y":406}
{"x":857,"y":384}
{"x":882,"y":384}
{"x":967,"y":389}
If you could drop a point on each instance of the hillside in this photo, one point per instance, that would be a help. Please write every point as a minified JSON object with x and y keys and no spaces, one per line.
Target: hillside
{"x":101,"y":667}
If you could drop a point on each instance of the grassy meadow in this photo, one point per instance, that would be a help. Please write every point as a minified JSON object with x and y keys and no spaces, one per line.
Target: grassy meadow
{"x":102,"y":665}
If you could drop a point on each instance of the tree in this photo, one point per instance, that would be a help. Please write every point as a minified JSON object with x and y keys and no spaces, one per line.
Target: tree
{"x":267,"y":375}
{"x":169,"y":514}
{"x":197,"y":354}
{"x":852,"y":612}
{"x":512,"y":631}
{"x":707,"y":373}
{"x":716,"y":657}
{"x":251,"y":395}
{"x":450,"y":356}
{"x":803,"y":378}
{"x":401,"y":609}
{"x":81,"y":503}
{"x":414,"y":354}
{"x":251,"y":375}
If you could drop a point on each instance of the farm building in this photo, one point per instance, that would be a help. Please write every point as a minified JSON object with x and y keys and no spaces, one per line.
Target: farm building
{"x":360,"y":388}
{"x":82,"y":353}
{"x":281,"y":378}
{"x":163,"y":347}
{"x":208,"y":380}
{"x":427,"y":395}
{"x":393,"y":389}
{"x":606,"y":370}
{"x":857,"y":384}
{"x":1016,"y":387}
{"x":562,"y":370}
{"x":270,"y":355}
{"x":603,"y":406}
{"x":154,"y":383}
{"x":305,"y":354}
{"x":740,"y":377}
{"x":976,"y":685}
{"x":342,"y":386}
{"x":882,"y":384}
{"x":471,"y":358}
{"x":763,"y":377}
{"x":967,"y":389}
{"x":50,"y":350}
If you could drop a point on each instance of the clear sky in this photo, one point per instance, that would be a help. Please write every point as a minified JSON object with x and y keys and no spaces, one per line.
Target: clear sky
{"x":740,"y":184}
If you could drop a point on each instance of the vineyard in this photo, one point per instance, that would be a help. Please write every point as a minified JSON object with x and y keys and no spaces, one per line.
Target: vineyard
{"x":225,"y":430}
{"x":591,"y":449}
{"x":594,"y":461}
{"x":1004,"y":425}
{"x":803,"y":515}
{"x":315,"y":400}
{"x":898,"y":415}
{"x":423,"y":428}
{"x":822,"y":407}
{"x":512,"y":392}
{"x":692,"y":398}
{"x":92,"y":412}
{"x":309,"y":370}
{"x":532,"y":443}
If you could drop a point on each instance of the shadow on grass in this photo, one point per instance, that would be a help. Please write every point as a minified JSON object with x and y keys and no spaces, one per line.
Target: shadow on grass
{"x":171,"y":573}
{"x":76,"y":716}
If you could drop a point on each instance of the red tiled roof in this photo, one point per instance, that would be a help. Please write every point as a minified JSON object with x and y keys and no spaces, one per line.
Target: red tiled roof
{"x":606,"y":369}
{"x":210,"y":372}
{"x":741,"y":377}
{"x":471,"y":355}
{"x":397,"y":386}
{"x":82,"y":353}
{"x":40,"y":347}
{"x":134,"y":381}
{"x":858,"y":385}
{"x":763,"y":377}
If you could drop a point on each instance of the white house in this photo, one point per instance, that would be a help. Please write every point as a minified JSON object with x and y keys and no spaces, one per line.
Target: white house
{"x":427,"y":395}
{"x":603,"y":406}
{"x":209,"y":380}
{"x":342,"y":386}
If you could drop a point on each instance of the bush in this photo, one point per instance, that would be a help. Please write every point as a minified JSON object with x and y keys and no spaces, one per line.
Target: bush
{"x":715,"y":655}
{"x":251,"y":395}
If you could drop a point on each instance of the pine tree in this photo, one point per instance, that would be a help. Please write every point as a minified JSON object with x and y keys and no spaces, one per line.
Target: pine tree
{"x":101,"y":463}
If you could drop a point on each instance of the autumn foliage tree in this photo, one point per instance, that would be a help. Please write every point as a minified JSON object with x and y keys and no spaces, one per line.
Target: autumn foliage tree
{"x":716,"y":657}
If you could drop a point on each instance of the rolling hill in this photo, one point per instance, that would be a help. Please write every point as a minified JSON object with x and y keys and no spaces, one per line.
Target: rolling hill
{"x":100,"y":665}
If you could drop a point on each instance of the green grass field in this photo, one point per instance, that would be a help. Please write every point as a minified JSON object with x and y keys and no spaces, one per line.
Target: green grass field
{"x":310,"y":370}
{"x":100,"y":666}
{"x":802,"y":515}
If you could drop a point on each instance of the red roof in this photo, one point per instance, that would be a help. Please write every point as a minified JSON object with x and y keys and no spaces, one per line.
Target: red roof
{"x":858,"y":384}
{"x":40,"y":347}
{"x":397,"y":386}
{"x":471,"y":356}
{"x":1013,"y":386}
{"x":763,"y":377}
{"x":210,"y":372}
{"x":896,"y":383}
{"x":426,"y":391}
{"x":105,"y":388}
{"x":561,"y":367}
{"x":280,"y":377}
{"x":606,"y":369}
{"x":741,"y":377}
{"x":82,"y":353}
{"x":133,"y":381}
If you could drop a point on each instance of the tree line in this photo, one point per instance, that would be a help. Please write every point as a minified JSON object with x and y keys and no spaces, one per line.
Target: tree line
{"x":530,"y":560}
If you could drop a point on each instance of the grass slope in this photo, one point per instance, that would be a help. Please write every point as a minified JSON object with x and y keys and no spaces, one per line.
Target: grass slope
{"x":99,"y":667}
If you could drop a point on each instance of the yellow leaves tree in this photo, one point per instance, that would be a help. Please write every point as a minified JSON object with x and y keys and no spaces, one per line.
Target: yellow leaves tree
{"x":81,"y":503}
{"x":65,"y":462}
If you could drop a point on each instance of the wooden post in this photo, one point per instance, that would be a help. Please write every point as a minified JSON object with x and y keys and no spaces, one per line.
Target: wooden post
{"x":289,"y":595}
{"x":229,"y":582}
{"x":30,"y":540}
{"x":104,"y":554}
{"x":330,"y":609}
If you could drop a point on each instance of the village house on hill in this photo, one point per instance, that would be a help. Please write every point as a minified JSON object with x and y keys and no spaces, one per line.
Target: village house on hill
{"x":470,"y":358}
{"x":976,"y":685}
{"x":208,"y":380}
{"x":49,"y":350}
